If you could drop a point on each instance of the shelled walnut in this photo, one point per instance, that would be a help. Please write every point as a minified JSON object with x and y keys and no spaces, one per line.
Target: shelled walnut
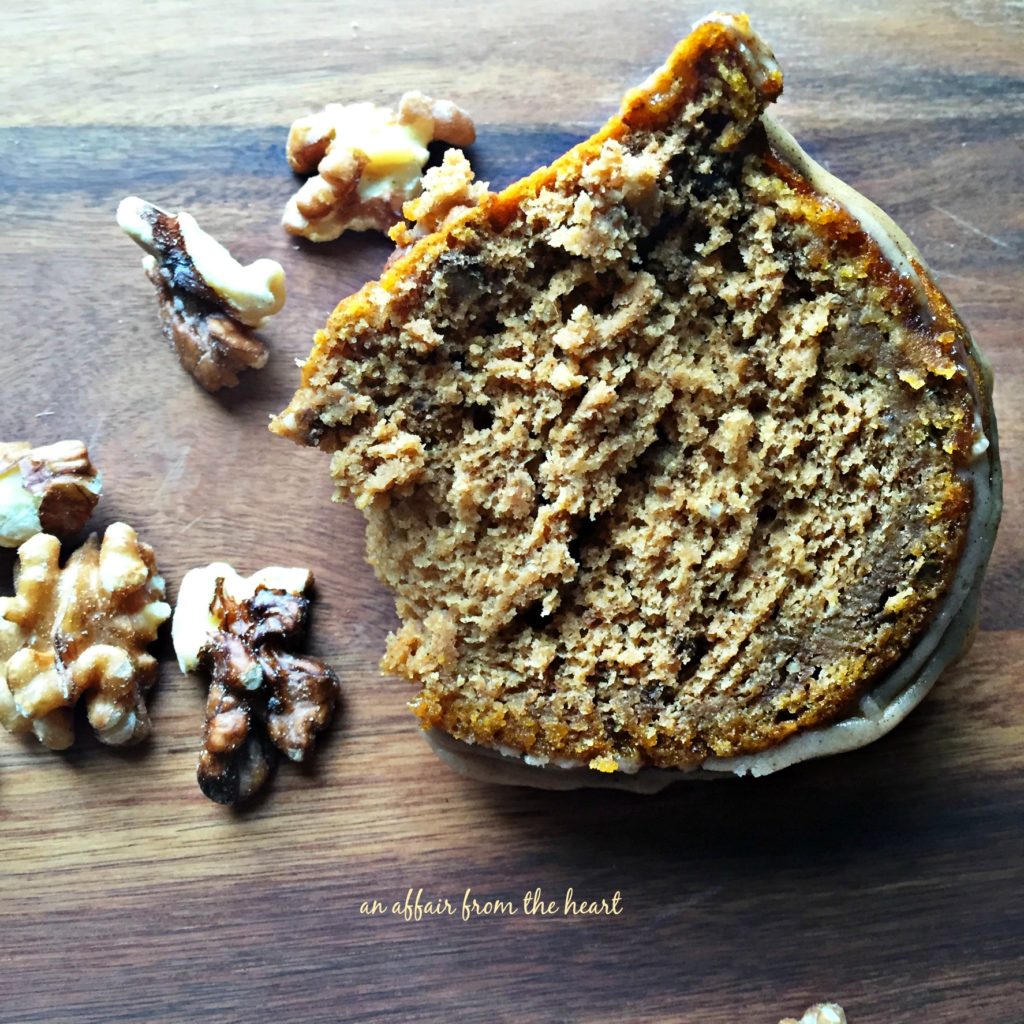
{"x":208,"y":301}
{"x":81,"y":633}
{"x":820,"y":1013}
{"x":366,"y":161}
{"x":47,"y":489}
{"x":263,"y":698}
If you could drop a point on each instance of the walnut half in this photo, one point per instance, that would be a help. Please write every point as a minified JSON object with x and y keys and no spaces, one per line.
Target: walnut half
{"x":263,"y":698}
{"x":208,"y":301}
{"x":49,"y":489}
{"x":212,"y":347}
{"x":81,"y":632}
{"x":366,"y":161}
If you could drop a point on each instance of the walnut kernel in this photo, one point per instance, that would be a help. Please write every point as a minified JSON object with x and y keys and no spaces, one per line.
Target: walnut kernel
{"x":263,"y":698}
{"x":366,"y":161}
{"x":81,"y":632}
{"x":208,"y":301}
{"x":48,"y":489}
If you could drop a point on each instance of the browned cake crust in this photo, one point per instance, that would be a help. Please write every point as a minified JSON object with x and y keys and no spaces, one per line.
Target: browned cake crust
{"x":671,"y":451}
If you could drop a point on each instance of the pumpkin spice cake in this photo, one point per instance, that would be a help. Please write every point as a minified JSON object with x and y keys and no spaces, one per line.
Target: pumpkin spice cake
{"x":672,"y":453}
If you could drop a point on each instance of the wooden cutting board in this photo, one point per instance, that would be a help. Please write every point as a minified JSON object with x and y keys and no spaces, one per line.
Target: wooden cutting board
{"x":889,"y":879}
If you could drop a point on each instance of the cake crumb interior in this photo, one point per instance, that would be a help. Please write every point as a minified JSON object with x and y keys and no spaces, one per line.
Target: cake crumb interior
{"x":653,"y":467}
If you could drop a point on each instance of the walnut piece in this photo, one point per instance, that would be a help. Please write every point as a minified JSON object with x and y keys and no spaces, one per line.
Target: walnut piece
{"x":366,"y":161}
{"x":448,"y":190}
{"x":263,"y":698}
{"x":820,"y":1013}
{"x":211,"y":346}
{"x":49,"y":489}
{"x":208,"y":301}
{"x":81,"y":632}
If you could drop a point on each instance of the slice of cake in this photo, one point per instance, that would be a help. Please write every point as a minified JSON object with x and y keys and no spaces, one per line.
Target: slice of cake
{"x":672,"y":453}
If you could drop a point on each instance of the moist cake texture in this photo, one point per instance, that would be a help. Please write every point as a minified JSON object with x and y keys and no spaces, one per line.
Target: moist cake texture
{"x":669,"y":452}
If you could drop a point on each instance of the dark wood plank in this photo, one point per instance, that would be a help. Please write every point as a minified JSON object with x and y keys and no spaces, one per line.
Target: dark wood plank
{"x":890,"y":879}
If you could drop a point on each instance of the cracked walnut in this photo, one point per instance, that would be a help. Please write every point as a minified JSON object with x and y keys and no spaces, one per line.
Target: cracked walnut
{"x":80,"y":633}
{"x":209,"y":303}
{"x":263,"y":699}
{"x":365,"y":161}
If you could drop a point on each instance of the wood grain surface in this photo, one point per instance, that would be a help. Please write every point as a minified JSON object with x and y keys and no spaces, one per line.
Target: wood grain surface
{"x":890,"y":880}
